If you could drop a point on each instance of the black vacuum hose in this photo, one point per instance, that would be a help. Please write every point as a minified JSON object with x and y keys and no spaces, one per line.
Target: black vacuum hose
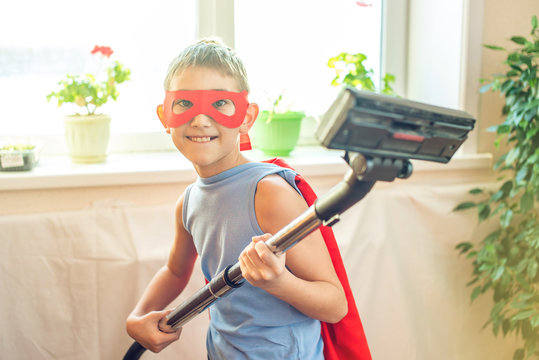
{"x":134,"y":352}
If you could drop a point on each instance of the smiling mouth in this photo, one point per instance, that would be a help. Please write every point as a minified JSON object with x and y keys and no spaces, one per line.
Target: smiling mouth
{"x":201,"y":139}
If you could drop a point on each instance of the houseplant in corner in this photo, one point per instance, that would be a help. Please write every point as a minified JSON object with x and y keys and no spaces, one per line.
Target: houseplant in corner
{"x":506,"y":262}
{"x":87,"y":134}
{"x":276,"y":131}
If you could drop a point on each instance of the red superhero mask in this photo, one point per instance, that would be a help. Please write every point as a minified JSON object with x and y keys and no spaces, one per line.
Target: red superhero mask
{"x":226,"y":107}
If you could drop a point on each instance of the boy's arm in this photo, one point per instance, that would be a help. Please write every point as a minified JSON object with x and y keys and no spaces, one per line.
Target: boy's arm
{"x":164,"y":287}
{"x":308,"y":282}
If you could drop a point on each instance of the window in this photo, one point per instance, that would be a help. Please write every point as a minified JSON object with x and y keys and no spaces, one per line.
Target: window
{"x":285,"y":46}
{"x":44,"y":41}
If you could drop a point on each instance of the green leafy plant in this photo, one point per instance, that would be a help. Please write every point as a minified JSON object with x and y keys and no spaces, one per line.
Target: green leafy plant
{"x":17,"y":147}
{"x":506,"y":262}
{"x":350,"y":71}
{"x":89,"y":91}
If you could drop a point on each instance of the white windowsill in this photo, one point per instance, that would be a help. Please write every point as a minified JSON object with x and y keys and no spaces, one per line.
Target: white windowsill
{"x":171,"y":167}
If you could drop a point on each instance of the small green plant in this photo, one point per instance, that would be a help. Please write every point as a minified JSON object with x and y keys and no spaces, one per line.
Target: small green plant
{"x":278,"y":107}
{"x":89,"y":91}
{"x":350,"y":71}
{"x":274,"y":107}
{"x":506,"y":262}
{"x":17,"y":147}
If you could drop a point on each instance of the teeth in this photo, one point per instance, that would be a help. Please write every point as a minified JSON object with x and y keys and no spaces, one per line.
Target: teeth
{"x":200,"y":138}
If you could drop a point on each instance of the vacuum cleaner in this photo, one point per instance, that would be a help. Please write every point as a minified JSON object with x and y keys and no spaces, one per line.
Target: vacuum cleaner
{"x":379,"y":134}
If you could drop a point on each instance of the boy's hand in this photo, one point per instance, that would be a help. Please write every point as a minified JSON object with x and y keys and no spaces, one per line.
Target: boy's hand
{"x":259,"y":266}
{"x":144,"y":329}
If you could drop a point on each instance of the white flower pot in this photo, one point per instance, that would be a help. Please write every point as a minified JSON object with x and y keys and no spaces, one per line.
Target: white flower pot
{"x":87,"y":137}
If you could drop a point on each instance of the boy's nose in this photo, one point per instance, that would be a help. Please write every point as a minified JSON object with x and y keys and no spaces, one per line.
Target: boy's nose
{"x":201,"y":120}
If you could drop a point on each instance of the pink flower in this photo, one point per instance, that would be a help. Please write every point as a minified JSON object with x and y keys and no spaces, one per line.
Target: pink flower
{"x":362,"y":4}
{"x":105,"y":50}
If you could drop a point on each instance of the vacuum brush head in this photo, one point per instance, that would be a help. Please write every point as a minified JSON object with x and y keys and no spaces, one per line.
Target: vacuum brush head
{"x":389,"y":127}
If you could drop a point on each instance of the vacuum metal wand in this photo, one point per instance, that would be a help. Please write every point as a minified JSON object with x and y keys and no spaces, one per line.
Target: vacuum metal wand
{"x":338,"y":199}
{"x":231,"y":277}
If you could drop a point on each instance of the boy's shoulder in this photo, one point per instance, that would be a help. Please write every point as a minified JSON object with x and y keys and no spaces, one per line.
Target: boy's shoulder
{"x":275,"y":189}
{"x":277,"y":202}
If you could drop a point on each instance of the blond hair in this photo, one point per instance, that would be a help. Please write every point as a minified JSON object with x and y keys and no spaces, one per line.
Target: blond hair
{"x":213,"y":53}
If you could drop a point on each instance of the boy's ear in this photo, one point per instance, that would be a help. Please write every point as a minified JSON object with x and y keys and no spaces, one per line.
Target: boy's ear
{"x":161,"y":115}
{"x":250,"y":116}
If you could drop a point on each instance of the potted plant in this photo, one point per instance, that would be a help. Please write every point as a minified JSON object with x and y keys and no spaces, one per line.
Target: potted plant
{"x":19,"y":156}
{"x":506,"y":262}
{"x":350,"y":71}
{"x":87,"y":133}
{"x":276,"y":131}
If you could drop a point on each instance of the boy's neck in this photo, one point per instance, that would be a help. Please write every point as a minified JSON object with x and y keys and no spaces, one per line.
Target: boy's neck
{"x":221,"y":166}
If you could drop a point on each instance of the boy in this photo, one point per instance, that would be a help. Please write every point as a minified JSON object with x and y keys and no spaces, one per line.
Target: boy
{"x":226,"y":215}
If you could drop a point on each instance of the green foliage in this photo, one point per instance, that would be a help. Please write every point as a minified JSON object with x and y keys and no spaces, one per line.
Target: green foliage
{"x":17,"y":147}
{"x":506,"y":262}
{"x":350,"y":71}
{"x":88,"y":92}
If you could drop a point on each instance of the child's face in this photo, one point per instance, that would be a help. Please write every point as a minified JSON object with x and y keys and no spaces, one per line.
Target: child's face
{"x":209,"y":145}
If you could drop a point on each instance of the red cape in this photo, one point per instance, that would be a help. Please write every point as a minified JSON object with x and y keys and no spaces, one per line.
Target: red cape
{"x":346,"y":339}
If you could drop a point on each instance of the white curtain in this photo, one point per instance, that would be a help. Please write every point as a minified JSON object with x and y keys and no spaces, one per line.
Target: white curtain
{"x":69,"y":279}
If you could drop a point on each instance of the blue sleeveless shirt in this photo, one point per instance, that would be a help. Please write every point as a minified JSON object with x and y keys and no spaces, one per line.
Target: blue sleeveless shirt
{"x":248,"y":323}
